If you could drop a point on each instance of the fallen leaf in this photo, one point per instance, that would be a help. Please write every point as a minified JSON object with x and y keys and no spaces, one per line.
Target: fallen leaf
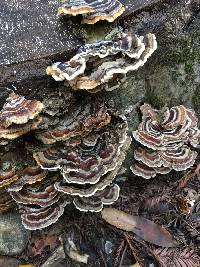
{"x":135,"y":265}
{"x":26,"y":265}
{"x":145,"y":229}
{"x":39,"y":243}
{"x":177,"y":257}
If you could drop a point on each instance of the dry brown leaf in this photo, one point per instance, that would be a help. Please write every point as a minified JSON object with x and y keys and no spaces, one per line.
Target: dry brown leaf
{"x":39,"y":243}
{"x":135,"y":265}
{"x":145,"y":229}
{"x":174,"y":257}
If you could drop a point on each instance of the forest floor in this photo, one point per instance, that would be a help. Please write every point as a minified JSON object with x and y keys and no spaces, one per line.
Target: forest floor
{"x":173,"y":203}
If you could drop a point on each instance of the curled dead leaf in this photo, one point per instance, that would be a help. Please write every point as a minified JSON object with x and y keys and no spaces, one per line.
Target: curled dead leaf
{"x":144,"y":228}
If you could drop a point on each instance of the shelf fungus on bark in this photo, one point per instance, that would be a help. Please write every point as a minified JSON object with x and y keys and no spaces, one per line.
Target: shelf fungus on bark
{"x":92,"y":11}
{"x":27,"y":176}
{"x":167,"y":130}
{"x":37,"y":217}
{"x":42,"y":197}
{"x":150,"y":162}
{"x":103,"y":62}
{"x":96,"y":202}
{"x":167,"y":137}
{"x":92,"y":165}
{"x":76,"y":122}
{"x":19,"y":116}
{"x":8,"y":176}
{"x":40,"y":204}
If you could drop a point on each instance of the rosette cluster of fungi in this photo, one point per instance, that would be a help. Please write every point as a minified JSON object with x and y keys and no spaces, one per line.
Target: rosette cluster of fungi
{"x":101,"y":64}
{"x":86,"y":149}
{"x":167,"y":138}
{"x":92,"y":11}
{"x":75,"y":160}
{"x":19,"y":116}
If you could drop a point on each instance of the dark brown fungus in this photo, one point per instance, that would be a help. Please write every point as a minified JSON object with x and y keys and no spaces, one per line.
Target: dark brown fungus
{"x":19,"y":116}
{"x":18,"y":110}
{"x":92,"y":11}
{"x":90,"y":167}
{"x":86,"y":163}
{"x":34,"y":218}
{"x":76,"y":123}
{"x":104,"y":61}
{"x":29,"y":175}
{"x":40,"y":204}
{"x":42,"y":197}
{"x":95,"y":203}
{"x":169,"y":130}
{"x":166,"y":136}
{"x":90,"y":189}
{"x":8,"y":176}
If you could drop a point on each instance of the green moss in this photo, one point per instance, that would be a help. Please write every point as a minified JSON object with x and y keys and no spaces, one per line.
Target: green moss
{"x":181,"y":51}
{"x":99,"y":33}
{"x":196,"y":101}
{"x":153,"y":98}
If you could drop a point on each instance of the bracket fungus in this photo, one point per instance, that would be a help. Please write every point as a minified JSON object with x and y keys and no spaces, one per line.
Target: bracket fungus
{"x":34,"y":218}
{"x":88,"y":168}
{"x":8,"y":176}
{"x":96,"y":202}
{"x":92,"y":11}
{"x":78,"y":121}
{"x":19,"y":116}
{"x":29,"y":175}
{"x":102,"y":62}
{"x":167,"y":137}
{"x":40,"y":205}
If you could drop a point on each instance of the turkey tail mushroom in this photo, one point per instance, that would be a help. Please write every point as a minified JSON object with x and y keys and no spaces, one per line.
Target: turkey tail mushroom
{"x":19,"y":116}
{"x":92,"y":11}
{"x":99,"y":63}
{"x":166,"y":136}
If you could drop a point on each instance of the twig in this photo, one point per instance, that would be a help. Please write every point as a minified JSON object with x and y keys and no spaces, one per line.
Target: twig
{"x":104,"y":261}
{"x":121,"y":246}
{"x":128,"y":237}
{"x":184,"y":181}
{"x":122,"y":257}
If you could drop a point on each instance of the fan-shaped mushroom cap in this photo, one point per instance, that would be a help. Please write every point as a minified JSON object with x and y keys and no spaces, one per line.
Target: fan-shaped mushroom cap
{"x":19,"y":110}
{"x":152,"y":162}
{"x":95,"y":203}
{"x":29,"y":175}
{"x":92,"y":11}
{"x":89,"y":190}
{"x":43,"y":197}
{"x":8,"y":176}
{"x":169,"y":133}
{"x":104,"y":60}
{"x":90,"y":160}
{"x":147,"y":172}
{"x":16,"y":131}
{"x":77,"y":122}
{"x":34,"y":218}
{"x":19,"y":116}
